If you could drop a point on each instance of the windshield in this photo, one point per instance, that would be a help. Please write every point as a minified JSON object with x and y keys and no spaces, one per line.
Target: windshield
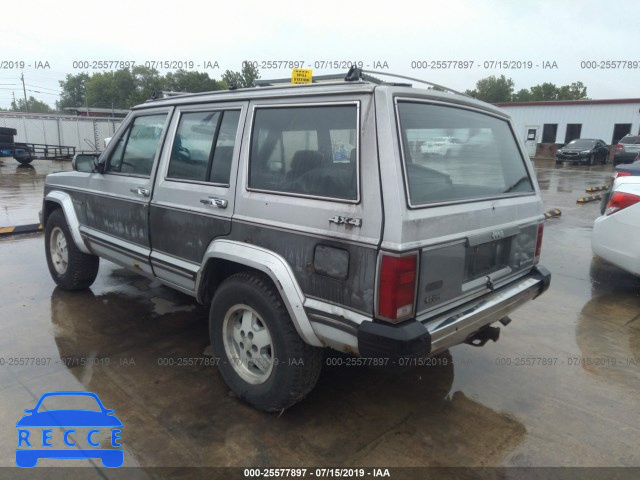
{"x":69,"y":402}
{"x":480,"y":157}
{"x":580,"y":144}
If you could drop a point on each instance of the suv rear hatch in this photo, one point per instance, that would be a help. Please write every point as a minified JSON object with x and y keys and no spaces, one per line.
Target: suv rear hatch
{"x":473,"y":215}
{"x":629,"y":144}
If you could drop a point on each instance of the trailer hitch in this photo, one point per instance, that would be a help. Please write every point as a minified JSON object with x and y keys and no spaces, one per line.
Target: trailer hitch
{"x":483,"y":335}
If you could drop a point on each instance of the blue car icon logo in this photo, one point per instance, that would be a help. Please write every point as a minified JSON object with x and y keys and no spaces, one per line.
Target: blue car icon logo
{"x":69,"y":433}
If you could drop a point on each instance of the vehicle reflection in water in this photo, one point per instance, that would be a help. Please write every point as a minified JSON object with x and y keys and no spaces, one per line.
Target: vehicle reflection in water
{"x":134,"y":353}
{"x":25,"y":168}
{"x":608,"y":328}
{"x":21,"y":188}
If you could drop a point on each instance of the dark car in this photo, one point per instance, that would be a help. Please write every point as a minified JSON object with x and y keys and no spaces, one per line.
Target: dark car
{"x":583,"y":150}
{"x":627,"y":149}
{"x":631,"y":169}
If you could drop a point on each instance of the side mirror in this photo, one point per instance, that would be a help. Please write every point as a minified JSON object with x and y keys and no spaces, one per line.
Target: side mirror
{"x":85,"y":162}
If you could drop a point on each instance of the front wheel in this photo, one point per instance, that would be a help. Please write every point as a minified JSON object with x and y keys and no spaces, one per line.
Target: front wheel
{"x":69,"y":267}
{"x":590,"y":161}
{"x":260,"y":354}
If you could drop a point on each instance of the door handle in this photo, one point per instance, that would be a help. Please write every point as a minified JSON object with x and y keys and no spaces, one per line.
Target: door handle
{"x":214,"y":202}
{"x":142,"y":192}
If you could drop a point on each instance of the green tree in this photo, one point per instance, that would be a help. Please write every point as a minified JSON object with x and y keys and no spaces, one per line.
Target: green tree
{"x":73,"y":91}
{"x":244,"y":78}
{"x":544,"y":92}
{"x":128,"y":87}
{"x":523,"y":95}
{"x":35,"y":106}
{"x":146,"y":81}
{"x":575,"y":91}
{"x":549,"y":91}
{"x":493,"y":89}
{"x":110,"y":89}
{"x":183,"y":81}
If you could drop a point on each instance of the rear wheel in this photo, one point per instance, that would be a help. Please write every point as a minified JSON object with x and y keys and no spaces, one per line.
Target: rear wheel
{"x":69,"y":267}
{"x":261,"y":356}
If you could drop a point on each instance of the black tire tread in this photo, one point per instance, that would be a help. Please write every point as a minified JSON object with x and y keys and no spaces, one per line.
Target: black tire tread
{"x":301,"y":379}
{"x":8,"y":131}
{"x":82,"y":269}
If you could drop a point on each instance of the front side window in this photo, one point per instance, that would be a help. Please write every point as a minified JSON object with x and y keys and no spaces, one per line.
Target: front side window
{"x":452,"y":154}
{"x":136,"y":149}
{"x":203,"y":146}
{"x":308,"y":150}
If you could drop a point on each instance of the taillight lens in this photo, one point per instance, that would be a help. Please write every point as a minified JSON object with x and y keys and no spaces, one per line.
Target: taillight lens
{"x":619,"y":201}
{"x":397,"y":287}
{"x":619,"y":146}
{"x":621,"y":174}
{"x":536,"y":256}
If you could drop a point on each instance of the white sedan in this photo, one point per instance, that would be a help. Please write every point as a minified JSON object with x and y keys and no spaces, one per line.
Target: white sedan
{"x":616,"y":234}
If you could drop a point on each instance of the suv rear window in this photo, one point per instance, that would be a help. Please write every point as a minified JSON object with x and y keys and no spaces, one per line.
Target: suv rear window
{"x":452,"y":154}
{"x":630,"y":139}
{"x":306,"y":151}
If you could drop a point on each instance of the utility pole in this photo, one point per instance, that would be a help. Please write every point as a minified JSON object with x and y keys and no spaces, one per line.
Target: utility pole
{"x":24,"y":90}
{"x":14,"y":99}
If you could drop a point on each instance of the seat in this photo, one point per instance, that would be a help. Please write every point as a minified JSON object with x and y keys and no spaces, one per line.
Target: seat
{"x":304,"y":161}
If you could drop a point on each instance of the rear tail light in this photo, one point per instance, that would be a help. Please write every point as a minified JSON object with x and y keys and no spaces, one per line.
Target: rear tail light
{"x":536,"y":256}
{"x":619,"y":201}
{"x":397,"y":280}
{"x":619,"y":146}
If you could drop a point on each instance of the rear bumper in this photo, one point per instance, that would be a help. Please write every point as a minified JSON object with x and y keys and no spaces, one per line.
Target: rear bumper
{"x":433,"y":335}
{"x":619,"y":158}
{"x":610,"y":240}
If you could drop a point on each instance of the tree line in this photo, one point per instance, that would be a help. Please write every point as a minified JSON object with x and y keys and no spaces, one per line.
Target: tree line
{"x":501,"y":90}
{"x":122,"y":89}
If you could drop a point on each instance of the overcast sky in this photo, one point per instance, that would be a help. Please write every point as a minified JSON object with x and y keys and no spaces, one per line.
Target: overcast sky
{"x":565,"y":32}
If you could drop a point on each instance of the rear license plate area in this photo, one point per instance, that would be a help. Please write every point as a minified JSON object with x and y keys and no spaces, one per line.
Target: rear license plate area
{"x":484,"y":259}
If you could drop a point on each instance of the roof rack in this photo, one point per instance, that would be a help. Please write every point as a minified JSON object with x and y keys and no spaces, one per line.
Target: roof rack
{"x":354,"y":75}
{"x":436,"y":86}
{"x":359,"y":75}
{"x":336,"y":77}
{"x":167,"y":94}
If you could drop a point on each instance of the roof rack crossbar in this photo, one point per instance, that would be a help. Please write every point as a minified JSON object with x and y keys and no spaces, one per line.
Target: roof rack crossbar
{"x":435,"y":85}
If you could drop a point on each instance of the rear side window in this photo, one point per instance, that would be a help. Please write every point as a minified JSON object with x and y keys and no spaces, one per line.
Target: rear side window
{"x":308,"y":151}
{"x":203,"y":146}
{"x":136,"y":149}
{"x":451,"y":154}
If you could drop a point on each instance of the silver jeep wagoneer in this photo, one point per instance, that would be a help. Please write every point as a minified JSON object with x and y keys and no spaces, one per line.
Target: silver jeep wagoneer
{"x":312,"y":216}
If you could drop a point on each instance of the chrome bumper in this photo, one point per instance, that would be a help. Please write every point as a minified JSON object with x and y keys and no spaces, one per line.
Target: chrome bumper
{"x":456,"y":326}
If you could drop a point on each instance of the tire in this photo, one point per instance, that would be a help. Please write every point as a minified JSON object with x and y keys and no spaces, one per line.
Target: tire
{"x":69,"y":267}
{"x":24,"y":160}
{"x":247,"y":310}
{"x":8,"y":131}
{"x":590,"y":161}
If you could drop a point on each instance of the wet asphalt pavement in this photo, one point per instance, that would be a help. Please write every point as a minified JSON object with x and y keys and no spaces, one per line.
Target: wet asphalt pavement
{"x":560,"y":388}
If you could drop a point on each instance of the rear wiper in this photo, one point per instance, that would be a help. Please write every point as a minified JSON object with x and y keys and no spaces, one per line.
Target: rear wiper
{"x":518,"y":182}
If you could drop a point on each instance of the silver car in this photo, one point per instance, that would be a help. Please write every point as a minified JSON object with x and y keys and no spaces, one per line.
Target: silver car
{"x":240,"y":199}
